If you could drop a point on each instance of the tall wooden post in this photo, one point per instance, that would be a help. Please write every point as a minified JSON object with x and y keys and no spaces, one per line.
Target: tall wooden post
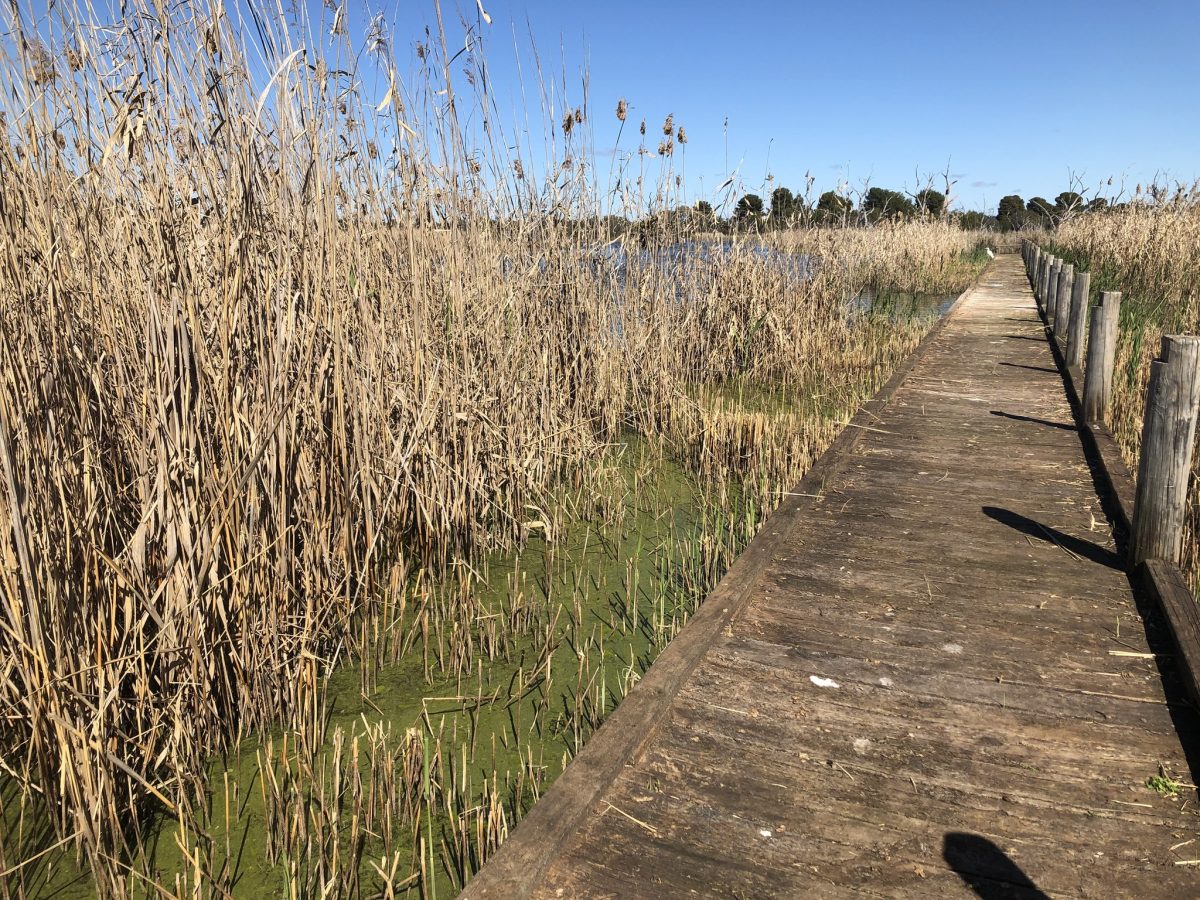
{"x":1043,"y":278}
{"x":1066,"y":280}
{"x":1077,"y":320}
{"x":1165,"y":462}
{"x":1101,"y":356}
{"x":1052,"y":289}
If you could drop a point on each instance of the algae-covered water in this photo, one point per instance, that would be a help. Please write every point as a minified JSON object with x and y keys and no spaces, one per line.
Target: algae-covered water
{"x":607,"y":596}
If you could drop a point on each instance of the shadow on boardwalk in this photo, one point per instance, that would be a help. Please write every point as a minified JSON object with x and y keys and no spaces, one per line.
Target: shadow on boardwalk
{"x":986,"y":869}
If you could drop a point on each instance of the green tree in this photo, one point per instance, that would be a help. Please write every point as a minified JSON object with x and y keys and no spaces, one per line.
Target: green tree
{"x":1067,"y":201}
{"x":933,"y":202}
{"x":1099,"y":203}
{"x":976,"y":221}
{"x":880,"y":203}
{"x":749,"y":210}
{"x":1012,"y":213}
{"x":783,"y":206}
{"x":1042,"y":208}
{"x":833,"y":206}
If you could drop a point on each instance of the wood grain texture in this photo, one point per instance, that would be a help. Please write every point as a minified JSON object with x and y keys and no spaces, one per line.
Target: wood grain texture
{"x":1077,"y":324}
{"x":934,"y":679}
{"x":1056,"y":265}
{"x":1101,"y":357}
{"x":1062,"y":312}
{"x":1165,"y":457}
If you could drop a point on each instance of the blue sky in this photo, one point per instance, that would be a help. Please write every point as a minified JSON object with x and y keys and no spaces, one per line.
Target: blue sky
{"x":1007,"y":98}
{"x":1011,"y":98}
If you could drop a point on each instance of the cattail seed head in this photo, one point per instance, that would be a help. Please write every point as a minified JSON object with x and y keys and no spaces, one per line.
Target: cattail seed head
{"x":669,"y":124}
{"x":643,"y":128}
{"x":568,"y":123}
{"x":682,"y":135}
{"x":622,"y":110}
{"x":42,"y":69}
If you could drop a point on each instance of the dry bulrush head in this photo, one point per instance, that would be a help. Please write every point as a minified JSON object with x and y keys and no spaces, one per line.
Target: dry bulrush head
{"x":283,"y":365}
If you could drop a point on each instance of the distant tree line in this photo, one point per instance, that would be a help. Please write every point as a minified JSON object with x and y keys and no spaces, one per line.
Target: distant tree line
{"x":1016,"y":214}
{"x":788,"y":209}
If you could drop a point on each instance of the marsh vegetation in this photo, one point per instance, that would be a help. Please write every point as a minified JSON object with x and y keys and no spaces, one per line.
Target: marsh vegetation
{"x":346,"y":485}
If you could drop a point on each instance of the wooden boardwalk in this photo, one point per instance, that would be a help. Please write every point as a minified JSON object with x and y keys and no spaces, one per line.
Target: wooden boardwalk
{"x":933,"y":679}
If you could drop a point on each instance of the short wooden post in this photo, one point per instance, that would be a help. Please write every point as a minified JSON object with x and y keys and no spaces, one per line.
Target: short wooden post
{"x":1077,"y":321}
{"x":1101,"y":356}
{"x":1052,"y":289}
{"x":1043,"y":268}
{"x":1165,"y":461}
{"x":1062,"y":309}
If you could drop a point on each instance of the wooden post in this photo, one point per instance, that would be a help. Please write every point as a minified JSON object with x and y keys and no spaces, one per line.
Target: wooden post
{"x":1051,"y":284}
{"x":1043,"y":268}
{"x":1052,"y":289}
{"x":1035,"y":269}
{"x":1165,"y":462}
{"x":1077,"y":322}
{"x":1101,"y":355}
{"x":1062,"y":308}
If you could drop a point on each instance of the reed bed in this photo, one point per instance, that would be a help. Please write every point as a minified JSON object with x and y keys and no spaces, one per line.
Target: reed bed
{"x":1149,"y":249}
{"x":299,"y":382}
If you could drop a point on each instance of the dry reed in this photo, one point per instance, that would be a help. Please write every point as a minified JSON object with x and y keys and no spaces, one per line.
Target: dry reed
{"x":280,"y":364}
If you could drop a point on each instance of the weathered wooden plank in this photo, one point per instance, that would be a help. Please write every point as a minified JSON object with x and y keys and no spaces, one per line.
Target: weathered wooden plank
{"x":1165,"y":583}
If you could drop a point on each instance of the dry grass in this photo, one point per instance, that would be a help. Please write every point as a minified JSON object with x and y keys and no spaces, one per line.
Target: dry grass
{"x":278,"y":363}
